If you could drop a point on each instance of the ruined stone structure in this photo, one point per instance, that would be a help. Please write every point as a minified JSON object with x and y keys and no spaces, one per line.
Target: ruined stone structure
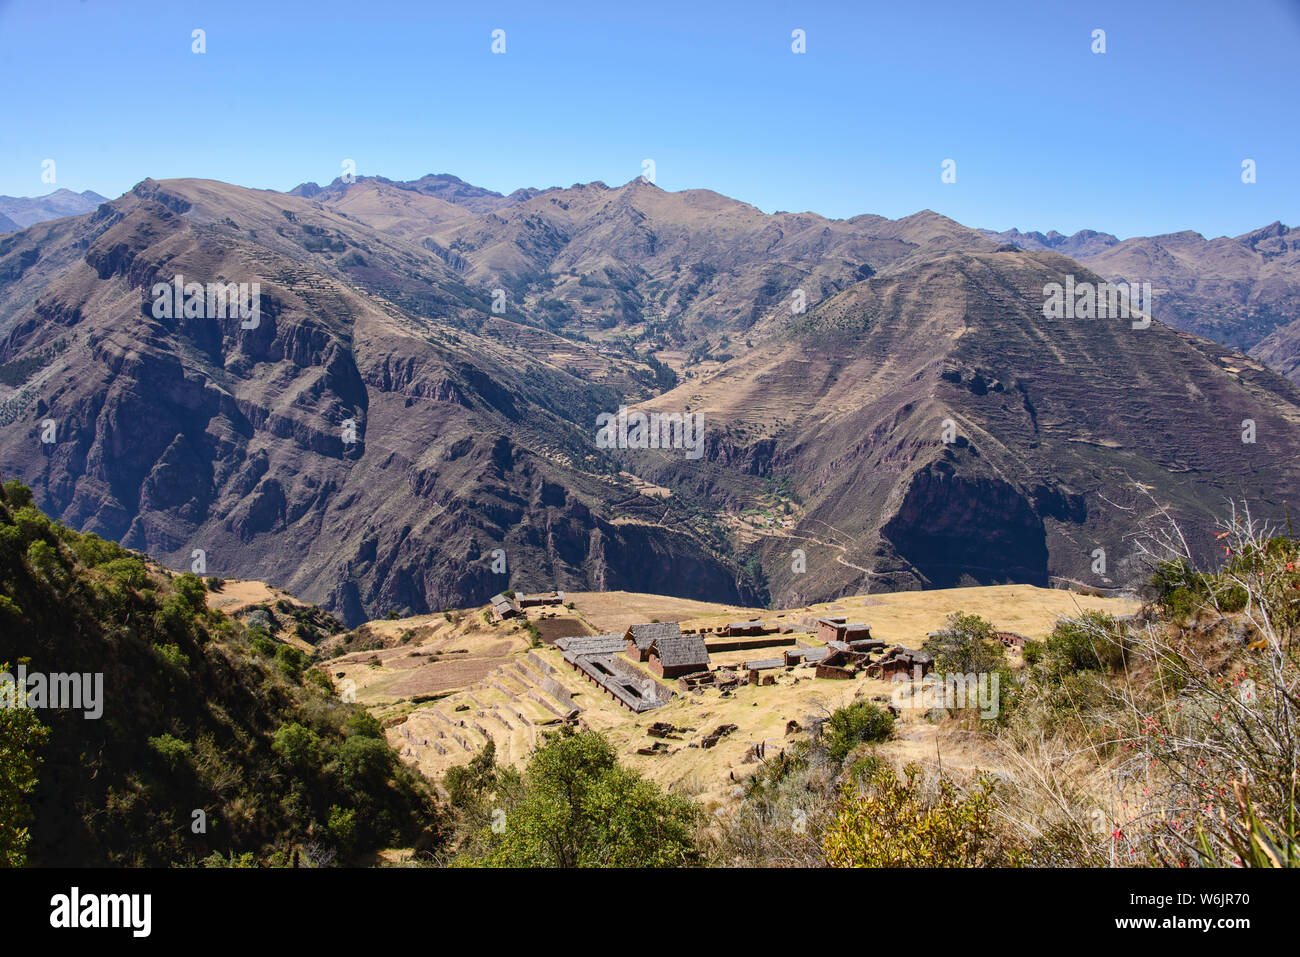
{"x":596,"y":658}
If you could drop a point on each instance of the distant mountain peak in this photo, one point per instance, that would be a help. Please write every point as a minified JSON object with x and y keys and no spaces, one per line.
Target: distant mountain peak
{"x":19,"y":212}
{"x":1085,"y":242}
{"x":444,"y":186}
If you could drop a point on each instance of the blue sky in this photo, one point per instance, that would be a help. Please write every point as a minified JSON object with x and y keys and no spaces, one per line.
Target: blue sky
{"x":1146,"y":138}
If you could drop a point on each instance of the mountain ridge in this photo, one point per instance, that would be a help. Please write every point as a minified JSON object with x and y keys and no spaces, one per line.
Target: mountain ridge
{"x":19,"y":212}
{"x":474,"y":428}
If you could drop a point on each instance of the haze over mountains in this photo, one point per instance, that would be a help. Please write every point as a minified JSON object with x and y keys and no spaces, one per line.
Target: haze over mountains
{"x":17,"y":212}
{"x":475,"y":429}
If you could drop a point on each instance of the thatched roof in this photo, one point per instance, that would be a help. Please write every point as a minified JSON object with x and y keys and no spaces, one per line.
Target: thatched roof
{"x":645,"y":635}
{"x":581,"y":645}
{"x":677,"y":650}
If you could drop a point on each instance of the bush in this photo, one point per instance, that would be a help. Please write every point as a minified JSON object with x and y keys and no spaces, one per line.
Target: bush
{"x":44,"y":560}
{"x":342,"y":827}
{"x":33,"y":525}
{"x":192,"y":590}
{"x":128,"y":573}
{"x":174,"y":657}
{"x":969,"y":645}
{"x":466,"y":784}
{"x":300,"y":747}
{"x":1089,"y":642}
{"x":896,"y":823}
{"x":291,"y":661}
{"x":1178,"y":591}
{"x":262,"y":643}
{"x":171,"y":749}
{"x":579,"y":808}
{"x":175,"y":618}
{"x":364,"y":763}
{"x":858,"y":723}
{"x":17,"y":494}
{"x":362,"y":722}
{"x":21,"y":739}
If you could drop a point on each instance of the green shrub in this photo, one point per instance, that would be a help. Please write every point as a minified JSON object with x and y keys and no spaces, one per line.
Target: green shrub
{"x":578,"y":807}
{"x":127,"y":572}
{"x":300,"y":747}
{"x":969,"y":645}
{"x":44,"y":560}
{"x":22,"y":738}
{"x":291,"y":661}
{"x":1089,"y":642}
{"x":11,"y":544}
{"x":171,"y":749}
{"x":853,"y":725}
{"x":262,"y":643}
{"x":362,"y":722}
{"x":342,"y":827}
{"x":195,"y":594}
{"x":17,"y":494}
{"x":364,"y":763}
{"x":174,"y":657}
{"x":896,"y":823}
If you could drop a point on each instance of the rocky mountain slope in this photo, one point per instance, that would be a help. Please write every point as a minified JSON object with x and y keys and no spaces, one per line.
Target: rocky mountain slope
{"x":1058,"y":429}
{"x":422,"y":386}
{"x":183,"y":434}
{"x":1242,"y":291}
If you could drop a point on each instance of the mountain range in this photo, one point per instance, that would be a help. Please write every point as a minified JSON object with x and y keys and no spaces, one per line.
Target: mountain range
{"x":18,"y":212}
{"x":1241,"y":291}
{"x":885,"y":404}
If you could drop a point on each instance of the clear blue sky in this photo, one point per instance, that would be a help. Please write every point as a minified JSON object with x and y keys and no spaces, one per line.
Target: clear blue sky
{"x":1146,"y":138}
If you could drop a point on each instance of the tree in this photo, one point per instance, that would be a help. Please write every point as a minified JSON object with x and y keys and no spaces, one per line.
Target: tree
{"x":580,"y":808}
{"x":17,"y":494}
{"x":21,"y":737}
{"x":467,"y":783}
{"x":969,"y":645}
{"x":364,"y":763}
{"x":191,"y":588}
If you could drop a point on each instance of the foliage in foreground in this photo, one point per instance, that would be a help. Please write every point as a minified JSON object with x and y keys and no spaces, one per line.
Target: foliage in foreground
{"x":1173,"y":740}
{"x":895,"y":822}
{"x":576,"y":806}
{"x":213,"y":746}
{"x":21,"y":739}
